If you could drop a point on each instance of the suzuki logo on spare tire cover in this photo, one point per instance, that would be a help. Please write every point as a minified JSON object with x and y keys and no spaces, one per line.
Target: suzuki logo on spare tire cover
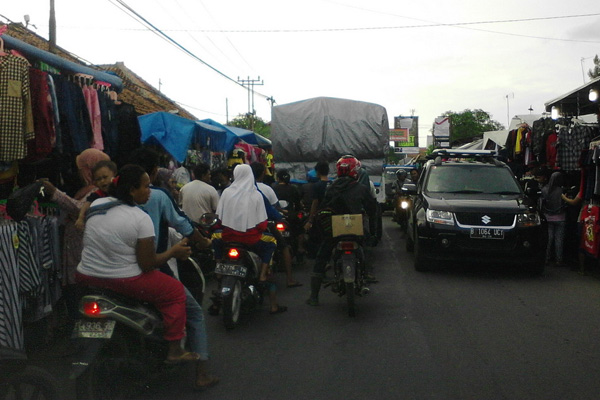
{"x":485,"y":219}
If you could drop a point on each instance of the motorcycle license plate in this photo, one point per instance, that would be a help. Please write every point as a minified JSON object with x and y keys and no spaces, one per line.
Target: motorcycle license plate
{"x":285,"y":233}
{"x":94,"y":329}
{"x":231,"y":269}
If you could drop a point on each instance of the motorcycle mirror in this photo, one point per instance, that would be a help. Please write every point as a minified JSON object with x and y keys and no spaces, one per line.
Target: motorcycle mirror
{"x":409,"y":188}
{"x":208,"y":220}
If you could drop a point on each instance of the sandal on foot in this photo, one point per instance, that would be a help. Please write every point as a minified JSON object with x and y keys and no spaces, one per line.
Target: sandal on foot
{"x":188,"y":356}
{"x":211,"y":381}
{"x":312,"y":302}
{"x":279,"y":309}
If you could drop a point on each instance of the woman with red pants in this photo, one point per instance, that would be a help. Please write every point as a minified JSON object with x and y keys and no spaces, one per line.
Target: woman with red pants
{"x":118,"y":254}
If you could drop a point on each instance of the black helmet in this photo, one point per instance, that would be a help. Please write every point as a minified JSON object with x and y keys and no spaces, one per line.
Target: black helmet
{"x":283,"y":175}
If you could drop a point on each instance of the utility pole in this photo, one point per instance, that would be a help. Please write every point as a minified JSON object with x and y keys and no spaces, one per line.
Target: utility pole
{"x":250,"y":83}
{"x":52,"y":28}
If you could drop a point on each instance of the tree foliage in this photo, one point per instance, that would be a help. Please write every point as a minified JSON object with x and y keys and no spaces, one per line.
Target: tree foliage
{"x":595,"y":72}
{"x":252,"y":123}
{"x":470,"y":124}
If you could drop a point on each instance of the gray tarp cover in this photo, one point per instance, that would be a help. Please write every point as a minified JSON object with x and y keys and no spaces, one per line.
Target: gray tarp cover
{"x":326,"y":128}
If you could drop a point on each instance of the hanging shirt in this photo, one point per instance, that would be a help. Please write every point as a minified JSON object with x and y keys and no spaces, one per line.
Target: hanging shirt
{"x":591,"y":229}
{"x":16,"y":125}
{"x":91,"y":100}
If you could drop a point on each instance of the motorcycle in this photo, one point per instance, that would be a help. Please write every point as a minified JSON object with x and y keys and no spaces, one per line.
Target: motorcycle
{"x":350,"y":275}
{"x":119,"y":342}
{"x":239,"y":270}
{"x":292,"y":228}
{"x":21,"y":380}
{"x":402,"y":202}
{"x":120,"y":345}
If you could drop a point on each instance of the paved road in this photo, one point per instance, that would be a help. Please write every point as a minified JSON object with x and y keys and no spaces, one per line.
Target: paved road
{"x":460,"y":333}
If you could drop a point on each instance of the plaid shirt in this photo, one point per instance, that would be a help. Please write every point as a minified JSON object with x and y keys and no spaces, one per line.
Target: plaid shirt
{"x":571,"y":142}
{"x":16,"y":122}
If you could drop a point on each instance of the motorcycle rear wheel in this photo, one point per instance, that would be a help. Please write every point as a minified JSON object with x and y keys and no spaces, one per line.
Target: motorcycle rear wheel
{"x":350,"y":299}
{"x":232,"y":304}
{"x":107,"y":375}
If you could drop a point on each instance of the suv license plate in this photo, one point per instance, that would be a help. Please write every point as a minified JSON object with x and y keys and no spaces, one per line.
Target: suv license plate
{"x":231,"y":269}
{"x":487,"y":233}
{"x":94,"y":329}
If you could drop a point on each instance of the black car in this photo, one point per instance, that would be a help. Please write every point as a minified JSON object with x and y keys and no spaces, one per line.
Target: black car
{"x":469,"y":207}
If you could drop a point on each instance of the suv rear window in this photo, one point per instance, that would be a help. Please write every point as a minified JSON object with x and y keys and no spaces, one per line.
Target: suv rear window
{"x":471,"y":179}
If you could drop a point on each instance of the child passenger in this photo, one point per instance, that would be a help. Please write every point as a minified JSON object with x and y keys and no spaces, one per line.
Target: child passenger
{"x":102,"y":175}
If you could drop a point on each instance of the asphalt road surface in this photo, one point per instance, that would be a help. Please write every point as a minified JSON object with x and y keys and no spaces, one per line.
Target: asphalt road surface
{"x":458,"y":333}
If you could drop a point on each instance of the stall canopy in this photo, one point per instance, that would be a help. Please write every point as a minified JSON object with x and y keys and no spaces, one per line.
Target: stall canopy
{"x":177,"y":134}
{"x":577,"y":101}
{"x":250,"y":137}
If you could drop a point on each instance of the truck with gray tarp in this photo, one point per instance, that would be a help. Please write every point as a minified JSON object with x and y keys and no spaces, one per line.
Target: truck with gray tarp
{"x":325,"y":128}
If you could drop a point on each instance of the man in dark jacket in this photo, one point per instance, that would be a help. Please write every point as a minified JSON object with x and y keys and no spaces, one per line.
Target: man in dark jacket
{"x":344,"y":196}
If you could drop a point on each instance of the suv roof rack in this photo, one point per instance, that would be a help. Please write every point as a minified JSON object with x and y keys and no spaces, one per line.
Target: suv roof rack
{"x":463,"y":153}
{"x":478,"y":155}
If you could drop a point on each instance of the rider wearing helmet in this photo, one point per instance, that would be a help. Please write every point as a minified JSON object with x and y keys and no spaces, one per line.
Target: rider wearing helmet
{"x":344,"y":196}
{"x":401,"y":176}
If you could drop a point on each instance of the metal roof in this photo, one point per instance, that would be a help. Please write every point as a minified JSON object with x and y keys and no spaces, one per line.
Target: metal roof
{"x":576,"y":102}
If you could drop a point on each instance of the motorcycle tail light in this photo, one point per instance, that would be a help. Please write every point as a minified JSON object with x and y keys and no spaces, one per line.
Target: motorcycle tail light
{"x":347,"y":246}
{"x":300,"y":215}
{"x":233,"y":253}
{"x":92,"y":309}
{"x":280,"y":227}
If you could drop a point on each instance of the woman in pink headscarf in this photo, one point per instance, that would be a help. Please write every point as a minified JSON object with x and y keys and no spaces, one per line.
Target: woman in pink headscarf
{"x":72,"y":243}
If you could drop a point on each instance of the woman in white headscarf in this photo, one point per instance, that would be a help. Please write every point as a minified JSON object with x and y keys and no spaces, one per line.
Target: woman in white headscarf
{"x":243,"y":217}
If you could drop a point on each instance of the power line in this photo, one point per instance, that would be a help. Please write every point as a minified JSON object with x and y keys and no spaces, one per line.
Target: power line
{"x":172,"y":41}
{"x":430,"y":24}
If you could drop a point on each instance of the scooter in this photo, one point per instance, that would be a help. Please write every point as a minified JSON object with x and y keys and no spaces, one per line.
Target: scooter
{"x":119,"y":345}
{"x":21,"y":380}
{"x":239,"y":271}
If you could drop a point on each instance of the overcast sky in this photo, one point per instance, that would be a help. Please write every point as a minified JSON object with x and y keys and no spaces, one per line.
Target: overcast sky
{"x":410,"y":57}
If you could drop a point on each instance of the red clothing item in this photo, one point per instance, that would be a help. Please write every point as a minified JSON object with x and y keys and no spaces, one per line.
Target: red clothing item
{"x":165,"y":293}
{"x":250,"y":237}
{"x":591,"y":230}
{"x":551,"y":150}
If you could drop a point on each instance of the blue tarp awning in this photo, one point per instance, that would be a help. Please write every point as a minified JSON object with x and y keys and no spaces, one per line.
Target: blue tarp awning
{"x":251,"y":137}
{"x":176,"y":134}
{"x":172,"y":132}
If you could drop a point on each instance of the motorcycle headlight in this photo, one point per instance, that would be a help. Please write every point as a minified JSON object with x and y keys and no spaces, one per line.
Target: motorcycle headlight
{"x":404,"y":204}
{"x":528,"y":219}
{"x":440,"y":217}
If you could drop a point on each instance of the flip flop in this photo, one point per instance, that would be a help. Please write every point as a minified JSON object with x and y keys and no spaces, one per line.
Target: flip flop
{"x":188,"y":356}
{"x":295,"y":284}
{"x":280,"y":309}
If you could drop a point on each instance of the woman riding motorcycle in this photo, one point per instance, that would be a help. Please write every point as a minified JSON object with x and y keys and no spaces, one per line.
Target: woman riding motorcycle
{"x":243,"y":218}
{"x":118,"y":254}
